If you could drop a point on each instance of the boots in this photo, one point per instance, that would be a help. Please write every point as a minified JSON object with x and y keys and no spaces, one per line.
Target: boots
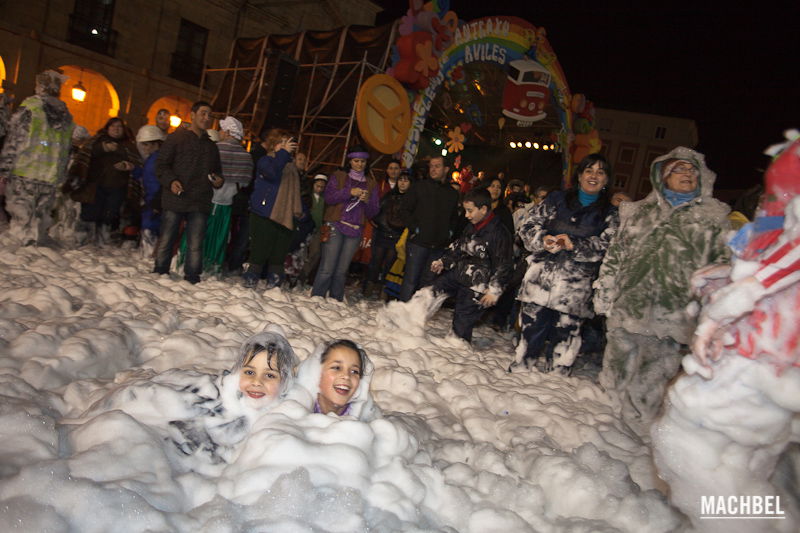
{"x":148,"y":244}
{"x":369,"y":289}
{"x":250,"y":274}
{"x":104,"y":235}
{"x":273,"y":280}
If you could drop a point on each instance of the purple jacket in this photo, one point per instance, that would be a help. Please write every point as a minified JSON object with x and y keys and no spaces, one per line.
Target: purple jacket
{"x":354,"y":211}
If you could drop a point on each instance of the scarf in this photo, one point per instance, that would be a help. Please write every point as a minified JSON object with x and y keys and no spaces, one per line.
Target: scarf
{"x":677,"y":198}
{"x":587,"y":199}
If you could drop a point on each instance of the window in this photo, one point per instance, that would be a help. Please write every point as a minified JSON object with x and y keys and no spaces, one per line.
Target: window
{"x":90,"y":26}
{"x":626,"y":155}
{"x":190,"y":51}
{"x":661,"y":132}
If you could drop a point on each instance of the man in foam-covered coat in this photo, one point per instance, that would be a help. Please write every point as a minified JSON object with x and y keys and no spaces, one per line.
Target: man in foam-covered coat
{"x":34,"y":158}
{"x":643,"y":286}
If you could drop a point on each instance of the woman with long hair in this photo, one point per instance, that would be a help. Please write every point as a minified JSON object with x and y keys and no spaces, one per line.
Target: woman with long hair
{"x":568,"y":235}
{"x":352,"y":199}
{"x":103,"y":166}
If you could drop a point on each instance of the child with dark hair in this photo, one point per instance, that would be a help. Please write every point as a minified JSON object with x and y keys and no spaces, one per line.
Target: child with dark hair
{"x":475,"y":268}
{"x":335,"y":380}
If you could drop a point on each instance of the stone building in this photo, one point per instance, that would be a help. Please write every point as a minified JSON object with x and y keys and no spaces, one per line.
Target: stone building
{"x":134,"y":57}
{"x":632,"y":140}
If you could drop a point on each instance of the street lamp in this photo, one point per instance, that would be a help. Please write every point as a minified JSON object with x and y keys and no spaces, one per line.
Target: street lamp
{"x":79,"y":92}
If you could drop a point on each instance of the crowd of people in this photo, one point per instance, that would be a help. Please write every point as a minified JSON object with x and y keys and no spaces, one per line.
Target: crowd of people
{"x":567,"y":269}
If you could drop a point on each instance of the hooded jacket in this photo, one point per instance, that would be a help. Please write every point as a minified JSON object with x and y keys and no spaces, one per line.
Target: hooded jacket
{"x":202,"y":416}
{"x":562,"y":281}
{"x":306,"y":389}
{"x":38,"y":141}
{"x":643,"y":284}
{"x":225,"y":421}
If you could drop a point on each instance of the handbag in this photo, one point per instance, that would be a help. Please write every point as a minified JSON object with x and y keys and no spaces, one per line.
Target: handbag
{"x":325,"y":232}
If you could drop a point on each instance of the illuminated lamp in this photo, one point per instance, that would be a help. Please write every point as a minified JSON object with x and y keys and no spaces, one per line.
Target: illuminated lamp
{"x":444,"y":151}
{"x":536,"y":145}
{"x":527,"y":144}
{"x":456,"y":175}
{"x":175,"y":121}
{"x":79,"y":92}
{"x":512,"y":144}
{"x":545,"y":147}
{"x":437,"y":142}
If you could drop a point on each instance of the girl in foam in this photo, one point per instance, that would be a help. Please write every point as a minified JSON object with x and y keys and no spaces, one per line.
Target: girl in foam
{"x":336,"y":379}
{"x":206,"y":416}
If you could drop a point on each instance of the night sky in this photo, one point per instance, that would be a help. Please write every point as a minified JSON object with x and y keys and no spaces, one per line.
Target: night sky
{"x":734,"y":70}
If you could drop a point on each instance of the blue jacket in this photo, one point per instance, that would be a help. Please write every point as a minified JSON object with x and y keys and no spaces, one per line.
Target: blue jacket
{"x":268,"y":179}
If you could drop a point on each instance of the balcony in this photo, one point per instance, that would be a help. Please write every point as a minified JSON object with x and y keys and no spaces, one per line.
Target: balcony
{"x":91,"y":35}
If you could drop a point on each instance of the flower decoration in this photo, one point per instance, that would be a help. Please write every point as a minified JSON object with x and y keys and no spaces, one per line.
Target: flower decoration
{"x":427,"y":64}
{"x":441,"y":33}
{"x":456,"y":142}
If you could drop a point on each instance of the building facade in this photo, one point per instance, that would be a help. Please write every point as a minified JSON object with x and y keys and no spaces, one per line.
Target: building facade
{"x":631,"y":141}
{"x":134,"y":57}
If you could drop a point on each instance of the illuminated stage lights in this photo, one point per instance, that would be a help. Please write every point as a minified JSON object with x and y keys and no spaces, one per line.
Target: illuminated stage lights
{"x":534,"y":145}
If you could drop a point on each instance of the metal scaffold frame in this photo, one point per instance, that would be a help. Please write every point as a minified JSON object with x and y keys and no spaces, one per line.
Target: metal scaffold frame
{"x":318,"y":134}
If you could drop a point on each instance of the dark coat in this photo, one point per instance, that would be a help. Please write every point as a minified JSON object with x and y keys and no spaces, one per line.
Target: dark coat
{"x":562,"y":281}
{"x":390,"y":220}
{"x":482,"y":259}
{"x":189,"y":159}
{"x":431,"y":213}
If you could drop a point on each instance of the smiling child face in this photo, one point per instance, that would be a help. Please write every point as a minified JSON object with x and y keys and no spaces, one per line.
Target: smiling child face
{"x":341,"y":374}
{"x":260,"y":379}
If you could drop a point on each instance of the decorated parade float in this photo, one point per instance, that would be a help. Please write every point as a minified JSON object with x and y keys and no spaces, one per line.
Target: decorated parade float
{"x":424,"y":84}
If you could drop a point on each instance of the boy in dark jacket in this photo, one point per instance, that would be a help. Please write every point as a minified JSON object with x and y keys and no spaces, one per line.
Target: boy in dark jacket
{"x":475,"y":268}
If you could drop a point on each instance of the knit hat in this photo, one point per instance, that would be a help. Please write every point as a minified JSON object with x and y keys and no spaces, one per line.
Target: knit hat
{"x":233,"y":127}
{"x":148,"y":133}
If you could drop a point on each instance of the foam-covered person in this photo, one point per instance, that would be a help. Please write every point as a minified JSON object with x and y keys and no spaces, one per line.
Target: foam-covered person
{"x":476,"y":267}
{"x":203,"y":416}
{"x":335,"y":379}
{"x":33,"y":162}
{"x":731,"y":418}
{"x":261,"y":376}
{"x":568,"y":235}
{"x":643,"y":286}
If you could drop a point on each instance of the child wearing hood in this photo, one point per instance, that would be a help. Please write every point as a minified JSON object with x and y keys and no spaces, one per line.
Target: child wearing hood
{"x":261,"y":376}
{"x":336,"y":379}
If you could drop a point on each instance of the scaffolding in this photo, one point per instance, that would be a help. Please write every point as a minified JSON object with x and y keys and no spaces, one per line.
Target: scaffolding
{"x":330,"y":68}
